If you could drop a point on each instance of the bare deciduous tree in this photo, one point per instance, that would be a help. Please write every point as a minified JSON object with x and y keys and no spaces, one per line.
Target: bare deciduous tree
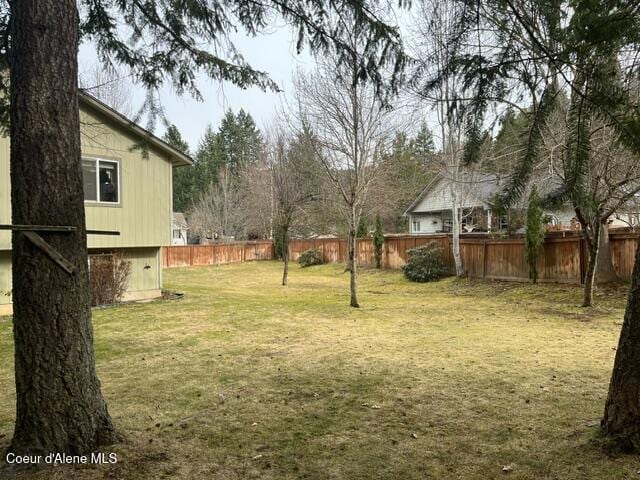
{"x":448,"y":99}
{"x":293,"y":185}
{"x":256,"y":197}
{"x":611,"y":181}
{"x":109,"y":86}
{"x":218,"y":214}
{"x":352,"y":128}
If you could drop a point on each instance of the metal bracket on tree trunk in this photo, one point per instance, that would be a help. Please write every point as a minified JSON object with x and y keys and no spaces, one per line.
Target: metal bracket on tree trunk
{"x":56,"y":256}
{"x":29,"y":231}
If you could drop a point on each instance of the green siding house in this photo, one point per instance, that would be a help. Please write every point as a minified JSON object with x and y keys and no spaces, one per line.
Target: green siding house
{"x":126,"y":189}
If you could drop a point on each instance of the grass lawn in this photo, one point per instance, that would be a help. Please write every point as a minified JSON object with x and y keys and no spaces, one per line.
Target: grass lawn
{"x":243,"y":379}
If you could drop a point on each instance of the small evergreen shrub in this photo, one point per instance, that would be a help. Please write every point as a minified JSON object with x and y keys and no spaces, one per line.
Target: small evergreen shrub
{"x":534,"y":234}
{"x":278,"y":242}
{"x":310,"y":257}
{"x":425,"y":263}
{"x":378,"y":241}
{"x":363,"y":227}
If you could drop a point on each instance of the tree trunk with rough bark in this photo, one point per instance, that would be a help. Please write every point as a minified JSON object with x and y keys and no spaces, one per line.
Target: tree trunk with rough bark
{"x":592,"y":235}
{"x":621,"y":421}
{"x":605,"y":273}
{"x":353,"y":262}
{"x":285,"y":256}
{"x":600,"y":264}
{"x":59,"y":405}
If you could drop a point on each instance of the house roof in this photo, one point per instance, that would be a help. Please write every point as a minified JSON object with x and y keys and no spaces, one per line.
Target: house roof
{"x":487,"y":184}
{"x":484,"y":184}
{"x":419,"y":198}
{"x":176,"y":157}
{"x":179,"y":221}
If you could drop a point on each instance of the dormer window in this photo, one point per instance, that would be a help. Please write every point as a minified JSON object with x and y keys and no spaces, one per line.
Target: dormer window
{"x":101,"y":180}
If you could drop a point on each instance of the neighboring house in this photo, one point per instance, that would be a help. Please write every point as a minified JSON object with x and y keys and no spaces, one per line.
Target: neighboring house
{"x":628,"y":216}
{"x":127,"y":189}
{"x":431,"y":211}
{"x":179,"y":229}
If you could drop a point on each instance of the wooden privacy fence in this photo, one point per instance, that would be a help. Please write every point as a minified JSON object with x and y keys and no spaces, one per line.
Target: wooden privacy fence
{"x":563,"y":258}
{"x":216,"y":254}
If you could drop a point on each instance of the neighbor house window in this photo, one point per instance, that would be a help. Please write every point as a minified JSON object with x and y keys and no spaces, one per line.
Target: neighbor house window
{"x":416,"y":226}
{"x":176,"y":234}
{"x":101,"y":180}
{"x":504,"y":223}
{"x":447,"y":225}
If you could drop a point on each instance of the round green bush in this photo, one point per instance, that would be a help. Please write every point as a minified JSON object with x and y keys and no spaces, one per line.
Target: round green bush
{"x":425,"y":263}
{"x":310,"y":257}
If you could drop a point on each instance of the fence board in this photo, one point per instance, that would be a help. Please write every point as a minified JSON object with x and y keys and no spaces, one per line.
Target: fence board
{"x":562,"y":259}
{"x":623,"y":251}
{"x":216,"y":254}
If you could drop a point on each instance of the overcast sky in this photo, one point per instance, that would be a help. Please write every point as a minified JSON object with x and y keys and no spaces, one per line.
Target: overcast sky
{"x":273,"y":52}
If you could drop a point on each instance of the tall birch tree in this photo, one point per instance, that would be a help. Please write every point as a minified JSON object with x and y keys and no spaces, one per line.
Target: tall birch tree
{"x":435,"y":31}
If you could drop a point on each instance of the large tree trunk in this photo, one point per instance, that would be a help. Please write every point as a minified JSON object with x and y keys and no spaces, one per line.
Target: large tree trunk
{"x":353,"y":262}
{"x":592,"y":235}
{"x":600,"y":265}
{"x":621,"y":422}
{"x":605,"y":273}
{"x":59,"y":404}
{"x":285,"y":256}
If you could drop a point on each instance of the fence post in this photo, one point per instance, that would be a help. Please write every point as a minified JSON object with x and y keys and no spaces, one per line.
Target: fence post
{"x":452,"y":261}
{"x":583,"y":272}
{"x":484,"y":258}
{"x":385,"y":250}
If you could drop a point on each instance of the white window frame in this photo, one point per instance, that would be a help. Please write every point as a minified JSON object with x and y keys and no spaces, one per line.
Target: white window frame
{"x":97,"y":161}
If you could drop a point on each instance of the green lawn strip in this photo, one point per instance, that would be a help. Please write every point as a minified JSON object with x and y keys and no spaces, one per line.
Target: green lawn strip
{"x":244,"y":378}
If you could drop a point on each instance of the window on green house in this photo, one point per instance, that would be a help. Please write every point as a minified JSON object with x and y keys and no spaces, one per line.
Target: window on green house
{"x":101,"y":180}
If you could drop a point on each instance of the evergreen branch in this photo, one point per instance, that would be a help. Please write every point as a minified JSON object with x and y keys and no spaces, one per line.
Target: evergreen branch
{"x":520,"y":178}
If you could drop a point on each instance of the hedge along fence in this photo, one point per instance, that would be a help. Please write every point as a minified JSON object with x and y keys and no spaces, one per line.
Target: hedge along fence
{"x":563,"y":258}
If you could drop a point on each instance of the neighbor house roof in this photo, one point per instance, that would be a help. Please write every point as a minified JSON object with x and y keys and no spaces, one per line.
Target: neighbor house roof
{"x":484,"y":184}
{"x":176,"y":157}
